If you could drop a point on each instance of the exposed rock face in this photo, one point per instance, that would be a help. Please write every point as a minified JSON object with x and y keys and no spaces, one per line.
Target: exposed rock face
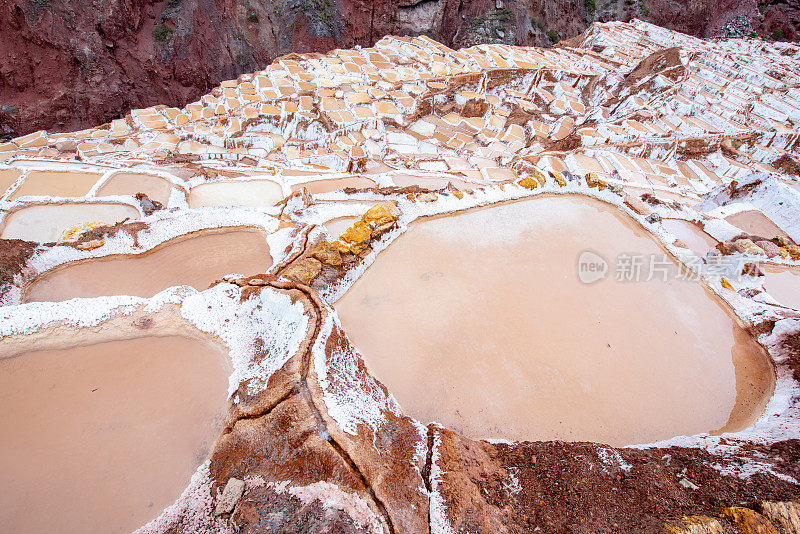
{"x":65,"y":65}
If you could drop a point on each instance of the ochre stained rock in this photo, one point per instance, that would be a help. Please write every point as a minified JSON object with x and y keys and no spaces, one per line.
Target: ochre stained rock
{"x":785,"y":514}
{"x":559,"y":179}
{"x":382,"y":213}
{"x":592,"y":180}
{"x":539,"y":177}
{"x":695,"y":524}
{"x":327,"y":253}
{"x":528,"y":183}
{"x":303,"y":270}
{"x":749,"y":521}
{"x":357,"y":237}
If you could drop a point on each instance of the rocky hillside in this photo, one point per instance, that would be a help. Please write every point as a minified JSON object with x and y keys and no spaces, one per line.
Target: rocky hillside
{"x":68,"y":64}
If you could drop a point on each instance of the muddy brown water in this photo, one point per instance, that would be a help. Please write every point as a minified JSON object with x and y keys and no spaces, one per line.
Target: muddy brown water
{"x":102,"y":437}
{"x":479,"y":321}
{"x":57,"y":184}
{"x":126,"y":183}
{"x":8,"y":177}
{"x":756,"y":223}
{"x":317,"y":187}
{"x":196,"y":260}
{"x":783,"y":284}
{"x":44,"y":223}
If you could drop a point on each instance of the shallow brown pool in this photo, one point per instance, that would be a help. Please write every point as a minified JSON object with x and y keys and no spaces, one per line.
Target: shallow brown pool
{"x":783,"y":284}
{"x":479,"y":321}
{"x":44,"y":223}
{"x":102,"y":437}
{"x":127,"y":183}
{"x":756,"y":223}
{"x":196,"y":260}
{"x":57,"y":184}
{"x":317,"y":187}
{"x":691,"y":234}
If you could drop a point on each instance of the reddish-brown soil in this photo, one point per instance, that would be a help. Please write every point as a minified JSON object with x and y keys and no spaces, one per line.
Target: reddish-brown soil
{"x":583,"y":487}
{"x":65,"y":65}
{"x":13,"y":255}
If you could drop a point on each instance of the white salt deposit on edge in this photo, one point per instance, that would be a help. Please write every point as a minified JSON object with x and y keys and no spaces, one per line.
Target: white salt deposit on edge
{"x":351,"y":397}
{"x":193,"y":511}
{"x":273,"y":318}
{"x":331,"y":496}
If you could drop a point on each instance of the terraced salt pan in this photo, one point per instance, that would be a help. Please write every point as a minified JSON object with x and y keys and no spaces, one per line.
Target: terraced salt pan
{"x":245,"y":193}
{"x":56,"y":184}
{"x":478,"y":321}
{"x":8,"y":177}
{"x":754,"y":222}
{"x":691,"y":234}
{"x":196,"y":260}
{"x":101,"y":437}
{"x":429,"y":182}
{"x":317,"y":187}
{"x":783,"y":284}
{"x":125,"y":183}
{"x":44,"y":223}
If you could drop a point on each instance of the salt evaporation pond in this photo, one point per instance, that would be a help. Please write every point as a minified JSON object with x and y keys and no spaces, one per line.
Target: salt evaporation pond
{"x":129,"y":183}
{"x":691,"y":234}
{"x":45,"y":223}
{"x":101,"y":437}
{"x":479,"y":321}
{"x":756,"y":223}
{"x":236,"y":193}
{"x":57,"y":184}
{"x":783,"y":284}
{"x":196,"y":260}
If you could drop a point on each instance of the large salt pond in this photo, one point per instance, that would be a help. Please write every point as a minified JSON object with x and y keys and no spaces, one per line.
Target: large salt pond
{"x":479,"y":321}
{"x":101,"y":437}
{"x":44,"y":223}
{"x":196,"y":260}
